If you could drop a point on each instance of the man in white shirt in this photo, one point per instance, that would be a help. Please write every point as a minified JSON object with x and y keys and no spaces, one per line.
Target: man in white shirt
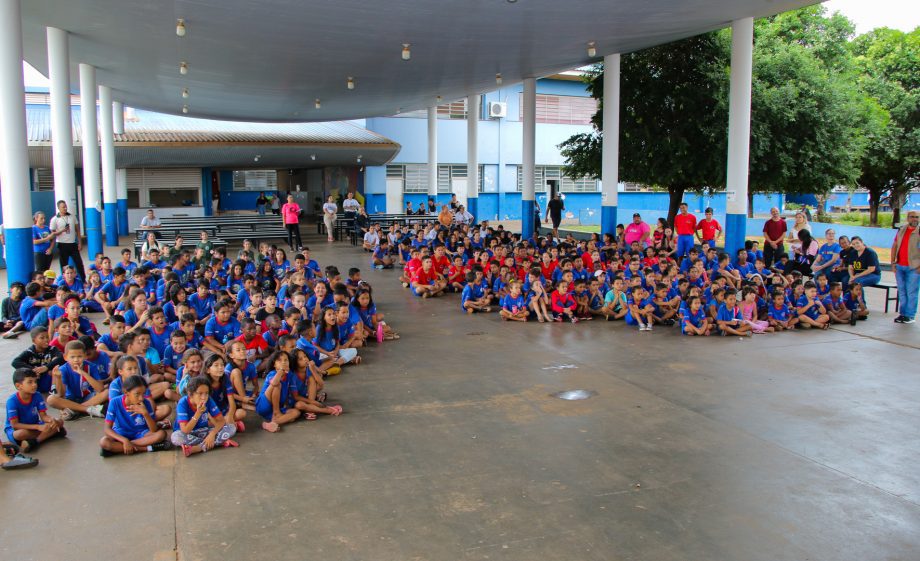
{"x":150,"y":221}
{"x":69,"y":239}
{"x":350,"y":205}
{"x":462,"y":216}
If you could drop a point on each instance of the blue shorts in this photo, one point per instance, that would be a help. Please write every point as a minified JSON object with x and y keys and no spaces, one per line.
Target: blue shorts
{"x":412,"y":288}
{"x":684,"y":244}
{"x":136,"y":434}
{"x":264,"y":408}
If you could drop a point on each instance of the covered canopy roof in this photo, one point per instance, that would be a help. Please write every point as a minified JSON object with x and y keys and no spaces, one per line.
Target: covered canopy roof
{"x":158,"y":140}
{"x":269,"y":60}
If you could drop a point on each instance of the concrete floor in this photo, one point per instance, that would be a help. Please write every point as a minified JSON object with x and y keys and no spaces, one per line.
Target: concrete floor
{"x":791,"y":446}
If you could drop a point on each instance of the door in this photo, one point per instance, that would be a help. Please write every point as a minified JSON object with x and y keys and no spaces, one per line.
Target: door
{"x":458,"y":187}
{"x":395,"y":196}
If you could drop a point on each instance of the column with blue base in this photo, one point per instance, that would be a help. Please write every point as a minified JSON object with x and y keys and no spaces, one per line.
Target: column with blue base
{"x":528,"y":156}
{"x":65,"y":187}
{"x":92,"y":191}
{"x":610,"y":149}
{"x":14,"y":163}
{"x":472,"y":156}
{"x":109,"y":188}
{"x":121,"y":203}
{"x":739,"y":134}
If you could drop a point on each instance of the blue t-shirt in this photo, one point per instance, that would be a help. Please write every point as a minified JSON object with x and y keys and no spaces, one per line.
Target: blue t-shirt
{"x":832,"y":303}
{"x":779,"y":314}
{"x":812,"y":312}
{"x":76,"y":387}
{"x":830,"y":253}
{"x":109,"y":342}
{"x":202,"y":306}
{"x":160,"y":341}
{"x":26,"y":413}
{"x":113,"y":291}
{"x":264,"y":405}
{"x":326,"y":339}
{"x":728,"y":314}
{"x":220,"y":395}
{"x":281,"y":269}
{"x":185,"y":412}
{"x":170,"y":358}
{"x":129,"y":425}
{"x":852,"y":303}
{"x":28,"y":311}
{"x":694,"y":319}
{"x":471,"y":291}
{"x":37,"y":234}
{"x":513,"y":305}
{"x":308,"y":347}
{"x":311,"y":304}
{"x":222,"y":332}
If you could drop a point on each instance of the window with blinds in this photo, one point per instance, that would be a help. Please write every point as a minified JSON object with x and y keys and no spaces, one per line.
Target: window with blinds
{"x":563,"y":109}
{"x":453,"y":110}
{"x":415,"y":176}
{"x":542,"y":174}
{"x":44,"y":179}
{"x":446,"y":175}
{"x":164,"y":187}
{"x":255,"y":180}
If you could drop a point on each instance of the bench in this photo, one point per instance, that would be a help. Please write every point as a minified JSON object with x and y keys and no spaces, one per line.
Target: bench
{"x":888,"y":297}
{"x":186,"y":244}
{"x":226,"y":228}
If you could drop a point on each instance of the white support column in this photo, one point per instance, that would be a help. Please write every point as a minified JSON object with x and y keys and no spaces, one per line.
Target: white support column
{"x":472,"y":155}
{"x":528,"y":157}
{"x":121,"y":192}
{"x":433,"y":152}
{"x":739,"y":134}
{"x":610,"y":149}
{"x":89,"y":136}
{"x":14,"y":159}
{"x":118,"y":114}
{"x":107,"y":136}
{"x":65,"y":188}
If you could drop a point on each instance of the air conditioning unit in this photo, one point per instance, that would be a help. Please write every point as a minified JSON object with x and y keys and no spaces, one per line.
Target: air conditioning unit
{"x":498,"y":109}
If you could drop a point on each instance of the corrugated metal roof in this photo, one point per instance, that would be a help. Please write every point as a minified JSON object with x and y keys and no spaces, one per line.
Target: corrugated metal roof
{"x":150,"y":127}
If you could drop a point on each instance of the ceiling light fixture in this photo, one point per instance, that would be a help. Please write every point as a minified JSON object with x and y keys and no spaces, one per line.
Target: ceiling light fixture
{"x":406,"y":53}
{"x":185,"y":108}
{"x":185,"y":93}
{"x":592,"y":51}
{"x":312,"y":156}
{"x":359,"y":158}
{"x":180,"y":27}
{"x":498,"y":78}
{"x":316,"y":103}
{"x":183,"y":68}
{"x":351,"y":83}
{"x":257,"y":157}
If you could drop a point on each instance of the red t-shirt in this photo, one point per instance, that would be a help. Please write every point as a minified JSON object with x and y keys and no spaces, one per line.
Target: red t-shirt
{"x":775,"y":229}
{"x":685,"y":224}
{"x":904,"y":250}
{"x":457,"y":274}
{"x":291,"y":213}
{"x":424,"y":277}
{"x":709,"y":228}
{"x":441,"y":265}
{"x":586,"y":259}
{"x":257,"y":345}
{"x":548,"y":270}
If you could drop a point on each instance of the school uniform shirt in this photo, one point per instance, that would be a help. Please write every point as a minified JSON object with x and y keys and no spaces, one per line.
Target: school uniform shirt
{"x":248,"y":371}
{"x":852,"y":303}
{"x":745,"y":270}
{"x":326,"y":338}
{"x":812,"y":312}
{"x":379,"y":253}
{"x":728,"y":314}
{"x":694,"y":319}
{"x":708,"y":228}
{"x":582,"y":273}
{"x":170,"y":358}
{"x":160,"y":341}
{"x":328,"y":300}
{"x":28,"y":311}
{"x":561,"y":302}
{"x":25,"y":412}
{"x":513,"y":305}
{"x":309,"y":347}
{"x":783,"y":313}
{"x":76,"y":286}
{"x":222,"y":332}
{"x":220,"y":394}
{"x":424,"y":277}
{"x":264,"y":404}
{"x":830,"y":253}
{"x":76,"y":387}
{"x":129,"y":425}
{"x":498,"y":285}
{"x":832,"y":303}
{"x":630,"y":301}
{"x":280,"y":269}
{"x":257,"y":345}
{"x":185,"y":411}
{"x":202,"y":306}
{"x":100,"y":366}
{"x":472,"y":291}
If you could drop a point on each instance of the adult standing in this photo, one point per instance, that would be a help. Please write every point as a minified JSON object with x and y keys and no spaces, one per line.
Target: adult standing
{"x":864,"y":268}
{"x":329,"y":211}
{"x":69,"y":240}
{"x":774,"y":232}
{"x":42,"y":242}
{"x":290,"y":215}
{"x":685,"y":226}
{"x":362,"y":221}
{"x":276,"y":203}
{"x":637,"y":231}
{"x":350,"y":206}
{"x":905,"y":262}
{"x":554,"y":209}
{"x":261,"y":203}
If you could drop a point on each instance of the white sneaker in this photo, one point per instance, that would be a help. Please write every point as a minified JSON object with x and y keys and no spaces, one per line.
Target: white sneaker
{"x":649,"y":328}
{"x":95,"y":411}
{"x":641,"y":326}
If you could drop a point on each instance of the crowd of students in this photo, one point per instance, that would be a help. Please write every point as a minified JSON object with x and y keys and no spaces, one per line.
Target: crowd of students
{"x":697,"y":288}
{"x":195,"y":345}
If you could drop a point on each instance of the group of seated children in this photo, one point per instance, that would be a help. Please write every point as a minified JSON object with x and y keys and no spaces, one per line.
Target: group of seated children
{"x":549,"y":280}
{"x":211,"y":344}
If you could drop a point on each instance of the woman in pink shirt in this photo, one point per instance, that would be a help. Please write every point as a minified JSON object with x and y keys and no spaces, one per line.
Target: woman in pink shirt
{"x":290,"y":214}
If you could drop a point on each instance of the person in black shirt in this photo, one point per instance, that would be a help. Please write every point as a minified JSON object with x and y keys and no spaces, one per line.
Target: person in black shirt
{"x":261,"y":203}
{"x":40,"y":358}
{"x":554,"y":210}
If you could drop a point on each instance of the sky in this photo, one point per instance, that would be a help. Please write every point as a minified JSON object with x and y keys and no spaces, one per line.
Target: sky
{"x":866,"y":14}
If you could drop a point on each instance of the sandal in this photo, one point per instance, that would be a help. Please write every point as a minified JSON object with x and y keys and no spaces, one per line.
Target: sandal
{"x":309,"y":416}
{"x":336,"y":410}
{"x":229,"y":443}
{"x":70,"y":415}
{"x":19,"y":462}
{"x":357,"y":360}
{"x":270,"y":426}
{"x":187,"y":450}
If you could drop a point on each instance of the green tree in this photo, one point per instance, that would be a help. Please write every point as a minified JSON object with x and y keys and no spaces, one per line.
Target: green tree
{"x":672,"y":120}
{"x":889,"y":62}
{"x":806,"y":122}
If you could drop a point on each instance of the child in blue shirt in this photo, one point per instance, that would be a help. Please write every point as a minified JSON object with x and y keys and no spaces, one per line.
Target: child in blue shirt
{"x":693,"y":320}
{"x":76,"y":390}
{"x":729,"y":318}
{"x":28,"y":423}
{"x":473,"y":298}
{"x":855,"y":302}
{"x":274,"y":399}
{"x":202,"y":426}
{"x":810,"y":309}
{"x":130,"y":425}
{"x":221,"y":328}
{"x":779,"y":315}
{"x":514,"y":306}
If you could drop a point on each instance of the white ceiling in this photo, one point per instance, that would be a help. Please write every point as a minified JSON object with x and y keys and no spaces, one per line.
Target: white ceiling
{"x":267,"y":60}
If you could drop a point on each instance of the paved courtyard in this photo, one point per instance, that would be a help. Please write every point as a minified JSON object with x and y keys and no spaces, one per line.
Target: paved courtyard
{"x":785,"y":447}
